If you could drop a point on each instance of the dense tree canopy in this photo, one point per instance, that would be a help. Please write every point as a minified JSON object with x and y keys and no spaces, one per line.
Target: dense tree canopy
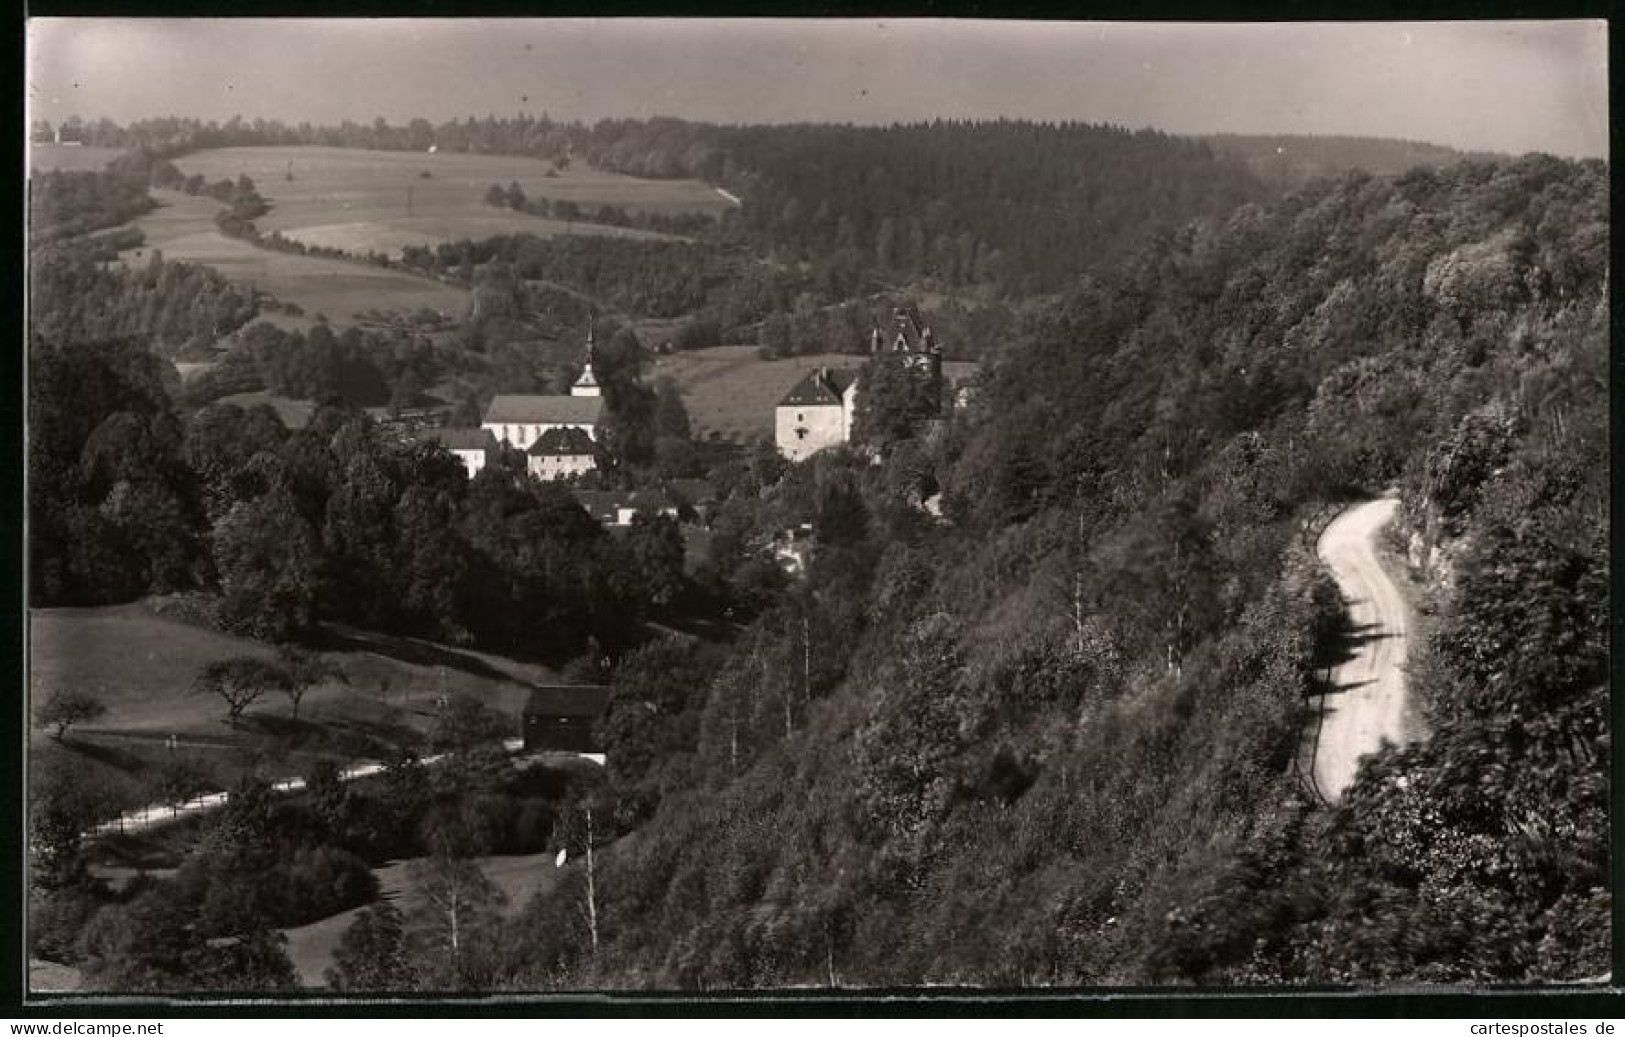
{"x":1052,"y":742}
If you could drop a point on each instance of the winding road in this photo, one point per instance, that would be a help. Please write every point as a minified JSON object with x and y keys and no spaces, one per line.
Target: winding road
{"x":1365,"y":704}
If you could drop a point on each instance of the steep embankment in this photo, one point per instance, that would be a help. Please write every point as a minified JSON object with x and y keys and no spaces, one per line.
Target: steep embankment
{"x":1365,"y":706}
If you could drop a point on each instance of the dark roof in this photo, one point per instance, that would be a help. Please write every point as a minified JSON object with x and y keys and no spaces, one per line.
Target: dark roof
{"x":543,"y":410}
{"x":568,"y":441}
{"x":820,"y":388}
{"x":568,"y":700}
{"x":458,"y":438}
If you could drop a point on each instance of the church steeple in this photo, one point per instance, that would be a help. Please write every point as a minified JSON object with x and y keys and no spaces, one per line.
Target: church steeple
{"x":587,"y":384}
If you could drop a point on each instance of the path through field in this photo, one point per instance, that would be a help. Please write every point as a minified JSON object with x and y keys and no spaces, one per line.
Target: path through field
{"x":1365,"y":705}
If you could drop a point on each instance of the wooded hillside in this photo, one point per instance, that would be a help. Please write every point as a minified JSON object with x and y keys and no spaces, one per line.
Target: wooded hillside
{"x":1051,"y":742}
{"x":1024,"y":206}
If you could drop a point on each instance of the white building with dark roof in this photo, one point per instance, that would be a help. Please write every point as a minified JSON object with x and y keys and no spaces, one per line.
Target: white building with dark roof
{"x":521,"y":420}
{"x":561,"y":453}
{"x":816,"y":413}
{"x":619,"y":507}
{"x":472,"y":446}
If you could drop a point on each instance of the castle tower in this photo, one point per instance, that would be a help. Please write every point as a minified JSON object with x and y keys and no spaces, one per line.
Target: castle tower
{"x":587,"y":384}
{"x":931,"y":362}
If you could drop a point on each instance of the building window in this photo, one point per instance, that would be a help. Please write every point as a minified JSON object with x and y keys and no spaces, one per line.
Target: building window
{"x":801,"y":417}
{"x":801,"y":433}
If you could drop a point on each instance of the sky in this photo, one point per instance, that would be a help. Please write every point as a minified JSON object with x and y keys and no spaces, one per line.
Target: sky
{"x":1510,"y":86}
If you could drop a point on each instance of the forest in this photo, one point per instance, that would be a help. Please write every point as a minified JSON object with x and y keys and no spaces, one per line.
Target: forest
{"x":1020,"y":207}
{"x":1051,"y":742}
{"x":1043,"y":734}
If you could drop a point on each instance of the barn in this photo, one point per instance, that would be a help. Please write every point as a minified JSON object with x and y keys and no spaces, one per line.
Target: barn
{"x":564,"y":718}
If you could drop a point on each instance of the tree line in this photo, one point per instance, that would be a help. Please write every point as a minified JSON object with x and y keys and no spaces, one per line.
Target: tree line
{"x":1017,"y":206}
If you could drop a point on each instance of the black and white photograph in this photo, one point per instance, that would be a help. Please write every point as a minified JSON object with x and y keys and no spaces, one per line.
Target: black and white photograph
{"x":541,"y":507}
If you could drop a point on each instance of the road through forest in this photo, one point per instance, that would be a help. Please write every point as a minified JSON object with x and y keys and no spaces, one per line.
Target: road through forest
{"x":1365,"y":704}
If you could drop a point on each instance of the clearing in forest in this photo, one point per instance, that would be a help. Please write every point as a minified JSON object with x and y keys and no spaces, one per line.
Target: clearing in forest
{"x":732,"y":392}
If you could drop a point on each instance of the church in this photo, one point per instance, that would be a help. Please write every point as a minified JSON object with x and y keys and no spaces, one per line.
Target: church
{"x":558,"y":434}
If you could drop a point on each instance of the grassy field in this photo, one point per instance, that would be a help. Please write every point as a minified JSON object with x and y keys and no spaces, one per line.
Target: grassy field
{"x":141,"y":664}
{"x":183,"y":228}
{"x":730,"y":391}
{"x":362,"y":200}
{"x":53,"y":158}
{"x":311,"y":947}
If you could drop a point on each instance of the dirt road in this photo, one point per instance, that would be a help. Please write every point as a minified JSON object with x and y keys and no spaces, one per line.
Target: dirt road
{"x":1366,"y":704}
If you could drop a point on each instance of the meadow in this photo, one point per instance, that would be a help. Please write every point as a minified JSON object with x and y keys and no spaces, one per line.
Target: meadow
{"x":732,"y":392}
{"x":141,"y":663}
{"x":380,"y":201}
{"x":183,"y":228}
{"x":360,"y":200}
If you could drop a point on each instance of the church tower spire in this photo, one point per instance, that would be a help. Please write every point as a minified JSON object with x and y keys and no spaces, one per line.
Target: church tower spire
{"x":587,"y":384}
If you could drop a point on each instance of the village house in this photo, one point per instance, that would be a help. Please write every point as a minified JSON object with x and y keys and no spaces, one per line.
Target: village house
{"x":472,"y":446}
{"x":618,"y":507}
{"x":561,"y":453}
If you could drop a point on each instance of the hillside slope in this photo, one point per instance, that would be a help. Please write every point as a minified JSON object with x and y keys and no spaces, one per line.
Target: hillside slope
{"x":1365,"y":706}
{"x":1052,"y":742}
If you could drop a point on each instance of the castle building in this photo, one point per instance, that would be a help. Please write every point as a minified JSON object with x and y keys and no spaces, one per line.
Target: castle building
{"x":816,"y":413}
{"x":919,"y":349}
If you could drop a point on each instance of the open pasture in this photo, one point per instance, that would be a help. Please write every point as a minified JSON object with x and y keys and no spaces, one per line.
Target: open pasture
{"x":732,"y":392}
{"x":361,"y":200}
{"x":142,"y":664}
{"x":183,"y":228}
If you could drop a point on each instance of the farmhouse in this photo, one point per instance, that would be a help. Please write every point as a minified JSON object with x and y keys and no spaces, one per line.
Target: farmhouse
{"x":472,"y":446}
{"x":564,"y":718}
{"x":816,"y":413}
